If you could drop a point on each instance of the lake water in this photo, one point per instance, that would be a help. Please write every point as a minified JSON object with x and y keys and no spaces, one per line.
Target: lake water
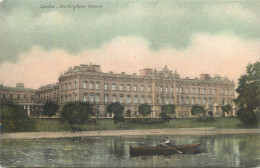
{"x":216,"y":151}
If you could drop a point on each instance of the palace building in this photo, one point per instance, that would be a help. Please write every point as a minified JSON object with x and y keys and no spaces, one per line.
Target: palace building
{"x":88,"y":83}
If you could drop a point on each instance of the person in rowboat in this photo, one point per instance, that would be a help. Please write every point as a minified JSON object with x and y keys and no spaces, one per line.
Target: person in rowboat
{"x":167,"y":142}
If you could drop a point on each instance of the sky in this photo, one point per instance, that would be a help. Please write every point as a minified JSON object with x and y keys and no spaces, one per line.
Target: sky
{"x":38,"y":44}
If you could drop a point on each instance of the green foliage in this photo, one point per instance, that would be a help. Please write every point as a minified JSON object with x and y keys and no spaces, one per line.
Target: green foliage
{"x":166,"y":110}
{"x":206,"y":119}
{"x":15,"y":119}
{"x":144,"y":109}
{"x":50,"y":109}
{"x":117,"y":109}
{"x":249,"y":94}
{"x":197,"y":110}
{"x":226,"y":108}
{"x":248,"y":117}
{"x":76,"y":114}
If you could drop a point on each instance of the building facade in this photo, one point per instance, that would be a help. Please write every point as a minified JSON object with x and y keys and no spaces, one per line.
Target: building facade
{"x":19,"y":94}
{"x":88,"y":83}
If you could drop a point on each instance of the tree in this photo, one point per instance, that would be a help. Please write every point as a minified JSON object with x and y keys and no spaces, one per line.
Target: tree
{"x":197,"y":110}
{"x":167,"y":110}
{"x":15,"y":119}
{"x":50,"y":109}
{"x":226,"y":109}
{"x":249,"y":95}
{"x":144,"y":109}
{"x":76,"y":114}
{"x":117,"y":109}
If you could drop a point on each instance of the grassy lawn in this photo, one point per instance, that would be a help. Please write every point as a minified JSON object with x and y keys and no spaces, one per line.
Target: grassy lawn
{"x":54,"y":125}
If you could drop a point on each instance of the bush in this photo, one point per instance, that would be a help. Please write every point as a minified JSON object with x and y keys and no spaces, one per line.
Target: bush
{"x":206,"y":119}
{"x":15,"y":119}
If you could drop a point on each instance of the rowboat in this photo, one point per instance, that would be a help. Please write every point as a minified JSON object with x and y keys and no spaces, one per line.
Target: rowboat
{"x":163,"y":150}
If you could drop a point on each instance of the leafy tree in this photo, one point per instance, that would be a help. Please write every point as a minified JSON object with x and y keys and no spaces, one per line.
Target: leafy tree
{"x":15,"y":119}
{"x":76,"y":114}
{"x":144,"y":109}
{"x":117,"y":109}
{"x":226,"y":109}
{"x":197,"y":110}
{"x":167,"y":110}
{"x":50,"y":109}
{"x":249,"y":95}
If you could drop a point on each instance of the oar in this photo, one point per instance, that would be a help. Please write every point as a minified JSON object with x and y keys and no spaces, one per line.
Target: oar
{"x":180,"y":152}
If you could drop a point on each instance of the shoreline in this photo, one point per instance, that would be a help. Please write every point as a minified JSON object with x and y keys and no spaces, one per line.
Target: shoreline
{"x":141,"y":132}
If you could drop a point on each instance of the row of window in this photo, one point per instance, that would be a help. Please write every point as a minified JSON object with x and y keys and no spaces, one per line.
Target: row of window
{"x":142,"y":88}
{"x":128,"y":99}
{"x":11,"y":96}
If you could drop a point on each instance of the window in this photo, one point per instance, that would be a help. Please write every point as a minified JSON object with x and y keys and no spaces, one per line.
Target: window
{"x":61,"y":87}
{"x":181,"y":100}
{"x":192,"y":101}
{"x":161,"y":88}
{"x":209,"y":91}
{"x":177,"y":90}
{"x":166,"y":89}
{"x":198,"y":91}
{"x":192,"y":91}
{"x":203,"y":101}
{"x":128,"y":99}
{"x":135,"y":100}
{"x":171,"y":101}
{"x":75,"y":97}
{"x":85,"y":85}
{"x":114,"y":99}
{"x":25,"y":97}
{"x":113,"y":86}
{"x":171,"y":89}
{"x":180,"y":90}
{"x":149,"y":88}
{"x":149,"y":100}
{"x":18,"y":97}
{"x":187,"y":90}
{"x":142,"y":100}
{"x":198,"y":100}
{"x":70,"y":97}
{"x":121,"y":100}
{"x":121,"y":87}
{"x":160,"y":100}
{"x":91,"y":85}
{"x":75,"y":85}
{"x":229,"y":92}
{"x":209,"y":102}
{"x":91,"y":97}
{"x":142,"y":88}
{"x":66,"y":86}
{"x":135,"y":88}
{"x":203,"y":91}
{"x":187,"y":101}
{"x":97,"y":98}
{"x":69,"y":86}
{"x":166,"y":100}
{"x":106,"y":86}
{"x":85,"y":98}
{"x":128,"y":87}
{"x":214,"y":91}
{"x":106,"y":98}
{"x":97,"y":85}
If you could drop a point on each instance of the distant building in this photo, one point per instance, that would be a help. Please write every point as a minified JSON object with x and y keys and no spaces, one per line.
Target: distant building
{"x":47,"y":93}
{"x":18,"y":94}
{"x":87,"y":83}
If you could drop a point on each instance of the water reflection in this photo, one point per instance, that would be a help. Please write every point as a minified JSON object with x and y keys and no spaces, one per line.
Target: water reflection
{"x":217,"y":151}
